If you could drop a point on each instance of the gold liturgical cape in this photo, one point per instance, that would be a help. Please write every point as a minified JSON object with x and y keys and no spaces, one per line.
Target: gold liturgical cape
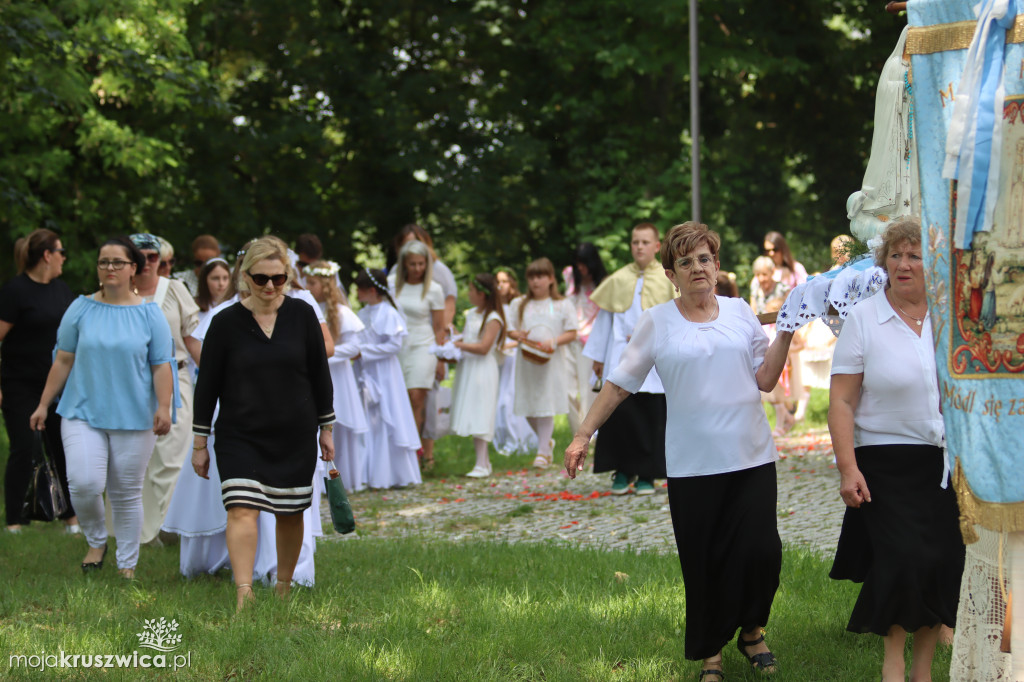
{"x":615,"y":293}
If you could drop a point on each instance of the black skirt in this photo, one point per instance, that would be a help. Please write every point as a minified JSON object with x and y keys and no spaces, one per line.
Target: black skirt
{"x":632,"y":440}
{"x":730,"y":552}
{"x":904,"y":545}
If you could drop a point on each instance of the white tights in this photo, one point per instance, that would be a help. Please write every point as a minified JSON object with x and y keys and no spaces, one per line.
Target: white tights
{"x":483,"y":458}
{"x":114,"y":460}
{"x":543,"y":427}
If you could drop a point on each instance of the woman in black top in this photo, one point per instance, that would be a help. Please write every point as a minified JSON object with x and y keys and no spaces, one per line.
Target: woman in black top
{"x":264,"y":359}
{"x":31,"y":307}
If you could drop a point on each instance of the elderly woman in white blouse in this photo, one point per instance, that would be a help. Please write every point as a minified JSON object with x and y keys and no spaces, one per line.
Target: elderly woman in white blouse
{"x":714,"y":360}
{"x":900,"y":535}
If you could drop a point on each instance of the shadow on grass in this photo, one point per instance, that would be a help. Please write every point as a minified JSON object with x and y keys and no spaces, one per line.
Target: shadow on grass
{"x":405,"y":610}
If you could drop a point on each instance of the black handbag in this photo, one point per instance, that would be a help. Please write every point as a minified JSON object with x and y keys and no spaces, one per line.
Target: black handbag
{"x":45,"y":500}
{"x":337,"y":502}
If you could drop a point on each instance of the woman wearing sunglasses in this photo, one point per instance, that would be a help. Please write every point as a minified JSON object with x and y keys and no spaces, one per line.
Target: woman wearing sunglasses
{"x":264,"y":360}
{"x":113,"y":363}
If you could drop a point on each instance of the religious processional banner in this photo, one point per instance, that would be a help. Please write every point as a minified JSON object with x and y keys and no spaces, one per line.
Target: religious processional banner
{"x":973,"y":238}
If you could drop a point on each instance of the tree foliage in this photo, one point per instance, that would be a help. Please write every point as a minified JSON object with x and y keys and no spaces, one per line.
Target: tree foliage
{"x":509,"y":128}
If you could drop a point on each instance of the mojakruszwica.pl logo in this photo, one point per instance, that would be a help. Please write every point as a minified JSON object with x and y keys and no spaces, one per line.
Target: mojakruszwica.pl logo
{"x":158,"y":636}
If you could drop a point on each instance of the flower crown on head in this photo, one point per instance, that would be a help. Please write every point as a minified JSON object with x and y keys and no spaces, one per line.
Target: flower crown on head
{"x":328,"y":269}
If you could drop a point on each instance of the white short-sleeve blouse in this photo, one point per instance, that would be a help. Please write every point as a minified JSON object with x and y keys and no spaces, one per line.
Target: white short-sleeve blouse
{"x":899,"y":399}
{"x":716,"y":423}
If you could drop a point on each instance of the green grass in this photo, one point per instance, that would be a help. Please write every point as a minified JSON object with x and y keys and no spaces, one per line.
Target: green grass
{"x":416,"y":610}
{"x":409,"y":610}
{"x":816,"y":416}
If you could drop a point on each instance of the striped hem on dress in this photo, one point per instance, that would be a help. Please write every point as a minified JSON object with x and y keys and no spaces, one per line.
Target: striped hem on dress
{"x":244,"y":492}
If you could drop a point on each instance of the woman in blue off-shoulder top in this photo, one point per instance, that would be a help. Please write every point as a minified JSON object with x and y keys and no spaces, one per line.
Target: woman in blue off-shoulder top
{"x":113,"y":364}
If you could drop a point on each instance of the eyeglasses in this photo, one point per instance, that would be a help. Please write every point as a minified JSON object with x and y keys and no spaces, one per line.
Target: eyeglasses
{"x":198,"y":263}
{"x":686,"y":263}
{"x":151,"y":257}
{"x":261,"y":280}
{"x":107,"y":264}
{"x":769,"y":252}
{"x":63,"y":252}
{"x":169,"y":262}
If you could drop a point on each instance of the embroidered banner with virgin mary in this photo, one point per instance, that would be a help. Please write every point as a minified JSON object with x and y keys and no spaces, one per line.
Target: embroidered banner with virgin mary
{"x":967,"y":77}
{"x":974,"y":231}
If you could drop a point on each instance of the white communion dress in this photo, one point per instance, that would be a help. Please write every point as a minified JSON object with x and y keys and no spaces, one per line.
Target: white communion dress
{"x":351,"y":426}
{"x":392,"y":439}
{"x":542,"y":390}
{"x":475,"y":392}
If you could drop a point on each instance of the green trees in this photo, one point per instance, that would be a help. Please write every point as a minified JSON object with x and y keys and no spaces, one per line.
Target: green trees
{"x":508,"y":128}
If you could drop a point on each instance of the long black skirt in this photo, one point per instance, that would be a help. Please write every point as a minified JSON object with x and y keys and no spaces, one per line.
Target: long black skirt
{"x":632,"y":440}
{"x":904,"y":545}
{"x":730,"y":553}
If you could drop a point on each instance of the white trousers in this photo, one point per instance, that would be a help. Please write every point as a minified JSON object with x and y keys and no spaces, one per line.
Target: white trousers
{"x":169,"y":454}
{"x":116,"y":461}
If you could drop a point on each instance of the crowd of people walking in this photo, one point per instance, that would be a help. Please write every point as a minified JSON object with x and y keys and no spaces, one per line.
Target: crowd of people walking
{"x":198,"y":402}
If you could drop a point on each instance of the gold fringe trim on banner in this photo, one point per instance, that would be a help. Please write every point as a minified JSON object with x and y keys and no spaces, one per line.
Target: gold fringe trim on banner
{"x":997,"y":516}
{"x":955,"y":36}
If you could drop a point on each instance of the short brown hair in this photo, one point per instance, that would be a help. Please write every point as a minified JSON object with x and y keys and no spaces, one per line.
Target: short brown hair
{"x":903,"y":230}
{"x":647,"y":226}
{"x":309,"y":244}
{"x":205,"y":241}
{"x":684,"y":238}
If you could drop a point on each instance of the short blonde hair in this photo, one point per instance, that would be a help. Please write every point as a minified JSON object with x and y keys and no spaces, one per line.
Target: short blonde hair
{"x":684,"y":238}
{"x":763,"y":264}
{"x":902,"y":230}
{"x":166,"y":250}
{"x":265,"y":248}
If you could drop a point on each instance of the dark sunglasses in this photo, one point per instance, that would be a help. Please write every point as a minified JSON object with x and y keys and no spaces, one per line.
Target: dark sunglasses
{"x":169,"y":262}
{"x":152,"y":257}
{"x":261,"y":280}
{"x":63,"y":252}
{"x":199,"y":263}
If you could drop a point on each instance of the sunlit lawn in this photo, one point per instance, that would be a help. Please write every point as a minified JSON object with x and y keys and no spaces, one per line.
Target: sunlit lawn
{"x":413,"y":609}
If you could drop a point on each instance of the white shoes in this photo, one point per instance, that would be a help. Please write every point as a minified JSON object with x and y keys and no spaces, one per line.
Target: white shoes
{"x":480,"y":472}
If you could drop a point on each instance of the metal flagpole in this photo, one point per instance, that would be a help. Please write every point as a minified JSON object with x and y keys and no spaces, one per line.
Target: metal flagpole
{"x":694,"y":114}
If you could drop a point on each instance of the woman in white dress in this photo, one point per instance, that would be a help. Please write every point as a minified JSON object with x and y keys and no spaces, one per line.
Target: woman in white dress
{"x":345,"y":326}
{"x":213,"y":286}
{"x":542,"y":322}
{"x":714,"y":359}
{"x":475,"y":394}
{"x":512,"y":433}
{"x":197,"y":513}
{"x":393,"y":438}
{"x":421,"y":302}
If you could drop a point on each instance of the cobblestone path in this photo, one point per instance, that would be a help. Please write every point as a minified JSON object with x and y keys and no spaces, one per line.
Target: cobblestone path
{"x":526,"y":505}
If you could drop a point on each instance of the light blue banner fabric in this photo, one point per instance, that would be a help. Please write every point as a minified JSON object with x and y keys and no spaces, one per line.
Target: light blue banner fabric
{"x":976,"y":294}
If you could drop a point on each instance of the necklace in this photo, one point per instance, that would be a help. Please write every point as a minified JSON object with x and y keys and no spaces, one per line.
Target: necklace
{"x":919,"y":320}
{"x":711,"y":315}
{"x":267,"y":329}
